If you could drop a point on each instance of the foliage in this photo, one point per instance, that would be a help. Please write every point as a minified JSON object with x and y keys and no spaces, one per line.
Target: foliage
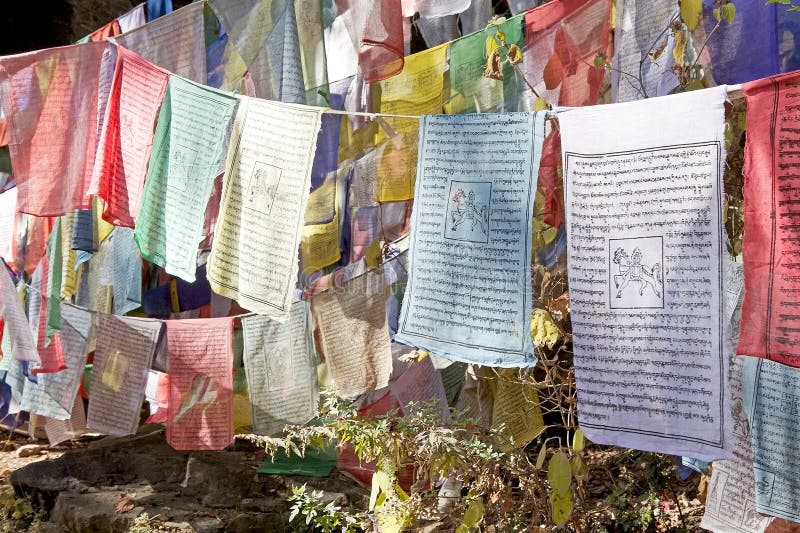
{"x":17,"y":512}
{"x":793,"y":4}
{"x":505,"y":489}
{"x":558,"y":480}
{"x":635,"y":494}
{"x":143,"y":524}
{"x":309,"y":513}
{"x":92,"y":14}
{"x":733,"y":207}
{"x":499,"y":53}
{"x":12,"y":506}
{"x":683,"y":28}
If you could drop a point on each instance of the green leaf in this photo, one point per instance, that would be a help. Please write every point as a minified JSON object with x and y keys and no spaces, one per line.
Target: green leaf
{"x":559,"y":473}
{"x":694,"y":85}
{"x":379,"y":501}
{"x":541,"y":457}
{"x":679,"y":48}
{"x":784,"y":2}
{"x":578,"y":441}
{"x":729,"y":12}
{"x":540,"y":104}
{"x":382,"y":485}
{"x":562,"y":507}
{"x":691,"y":11}
{"x":376,"y":489}
{"x":717,"y":15}
{"x":579,"y":468}
{"x":474,"y":514}
{"x":401,"y":494}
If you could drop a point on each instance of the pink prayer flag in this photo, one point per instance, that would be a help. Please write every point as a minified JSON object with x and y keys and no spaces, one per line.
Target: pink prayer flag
{"x":200,"y":415}
{"x":419,"y":386}
{"x":52,"y":102}
{"x":376,"y":29}
{"x":770,"y":317}
{"x":562,"y":39}
{"x":127,"y":139}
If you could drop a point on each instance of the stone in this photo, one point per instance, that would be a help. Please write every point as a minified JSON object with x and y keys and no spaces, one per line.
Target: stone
{"x":179,"y":527}
{"x":265,"y":505}
{"x":29,"y":450}
{"x":219,"y":501}
{"x":91,"y":512}
{"x":206,"y":524}
{"x":244,"y":523}
{"x":257,"y":522}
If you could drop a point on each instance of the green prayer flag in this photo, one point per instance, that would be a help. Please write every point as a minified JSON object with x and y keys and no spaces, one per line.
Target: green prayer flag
{"x":53,"y":295}
{"x":317,"y":463}
{"x":188,"y":153}
{"x":470,"y":91}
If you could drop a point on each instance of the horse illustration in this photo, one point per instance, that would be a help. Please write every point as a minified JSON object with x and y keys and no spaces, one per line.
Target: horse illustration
{"x":466,"y":211}
{"x":263,"y":187}
{"x":632,"y":269}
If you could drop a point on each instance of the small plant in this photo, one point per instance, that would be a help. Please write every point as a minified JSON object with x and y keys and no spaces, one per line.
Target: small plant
{"x":637,"y":493}
{"x":308,"y":513}
{"x":17,"y":513}
{"x":142,"y":524}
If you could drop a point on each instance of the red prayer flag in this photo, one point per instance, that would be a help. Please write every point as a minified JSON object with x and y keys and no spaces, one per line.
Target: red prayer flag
{"x":562,"y":39}
{"x":102,"y":33}
{"x":127,"y":139}
{"x":51,"y":355}
{"x":771,"y":246}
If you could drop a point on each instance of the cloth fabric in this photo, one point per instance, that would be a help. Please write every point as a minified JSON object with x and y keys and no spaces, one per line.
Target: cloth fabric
{"x":376,"y":30}
{"x":127,"y":139}
{"x":770,"y":237}
{"x":647,"y":272}
{"x":52,"y":101}
{"x":562,"y":39}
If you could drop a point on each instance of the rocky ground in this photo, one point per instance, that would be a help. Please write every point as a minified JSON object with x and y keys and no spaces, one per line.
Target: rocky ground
{"x":103,"y":485}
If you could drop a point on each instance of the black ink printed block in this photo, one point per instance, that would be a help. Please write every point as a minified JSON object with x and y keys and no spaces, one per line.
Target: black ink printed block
{"x":263,"y":187}
{"x":636,"y":273}
{"x":467,"y":212}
